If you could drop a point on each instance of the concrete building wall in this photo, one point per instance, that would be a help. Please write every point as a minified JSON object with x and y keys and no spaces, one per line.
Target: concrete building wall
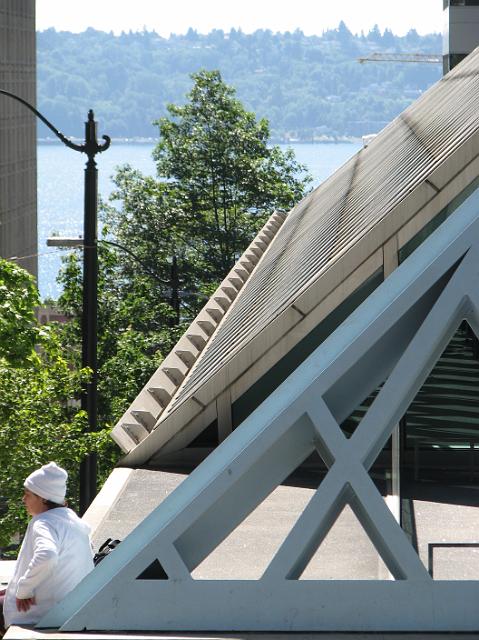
{"x":461,"y":31}
{"x":18,"y":181}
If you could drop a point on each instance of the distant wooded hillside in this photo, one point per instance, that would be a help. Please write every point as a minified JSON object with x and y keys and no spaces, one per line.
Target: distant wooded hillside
{"x":308,"y":87}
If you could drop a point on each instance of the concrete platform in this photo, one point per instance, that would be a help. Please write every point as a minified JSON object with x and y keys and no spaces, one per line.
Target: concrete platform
{"x":435,"y":515}
{"x":346,"y":553}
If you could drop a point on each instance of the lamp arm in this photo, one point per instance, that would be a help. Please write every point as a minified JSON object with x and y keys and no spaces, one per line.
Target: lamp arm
{"x":76,"y":147}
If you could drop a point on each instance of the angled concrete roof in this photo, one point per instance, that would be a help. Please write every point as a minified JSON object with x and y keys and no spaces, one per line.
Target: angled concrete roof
{"x":332,"y":242}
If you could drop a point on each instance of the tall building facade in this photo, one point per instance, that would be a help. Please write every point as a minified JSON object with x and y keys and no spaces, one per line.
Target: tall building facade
{"x":18,"y":179}
{"x":461,"y":31}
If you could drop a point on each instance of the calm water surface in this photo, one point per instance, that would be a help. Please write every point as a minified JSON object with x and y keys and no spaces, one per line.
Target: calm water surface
{"x":60,"y":189}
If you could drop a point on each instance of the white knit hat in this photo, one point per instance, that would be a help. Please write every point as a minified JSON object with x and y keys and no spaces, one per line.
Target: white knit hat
{"x":48,"y":482}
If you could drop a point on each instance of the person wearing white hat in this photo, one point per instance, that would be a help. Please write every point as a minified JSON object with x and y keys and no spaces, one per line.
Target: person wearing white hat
{"x":56,"y":553}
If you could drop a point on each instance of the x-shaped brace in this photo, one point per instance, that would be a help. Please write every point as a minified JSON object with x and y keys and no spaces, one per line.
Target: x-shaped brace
{"x":347,"y":480}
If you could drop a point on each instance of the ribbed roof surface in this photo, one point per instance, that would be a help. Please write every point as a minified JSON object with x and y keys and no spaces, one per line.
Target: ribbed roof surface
{"x":344,"y":208}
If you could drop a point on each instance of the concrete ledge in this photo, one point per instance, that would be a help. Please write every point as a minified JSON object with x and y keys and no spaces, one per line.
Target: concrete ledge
{"x":7,"y":568}
{"x":106,"y":498}
{"x":25,"y":633}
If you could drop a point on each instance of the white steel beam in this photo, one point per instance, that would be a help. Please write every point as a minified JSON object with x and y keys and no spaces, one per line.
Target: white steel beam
{"x":394,"y":337}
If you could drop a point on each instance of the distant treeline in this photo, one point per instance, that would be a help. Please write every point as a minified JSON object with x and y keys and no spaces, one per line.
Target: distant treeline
{"x":308,"y":87}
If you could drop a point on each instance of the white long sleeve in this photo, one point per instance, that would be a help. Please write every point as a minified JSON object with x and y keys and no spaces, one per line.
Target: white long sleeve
{"x":55,"y":556}
{"x":45,"y":557}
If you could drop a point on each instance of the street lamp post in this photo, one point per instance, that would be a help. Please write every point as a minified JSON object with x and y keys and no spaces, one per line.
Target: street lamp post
{"x":89,"y":399}
{"x":91,"y":147}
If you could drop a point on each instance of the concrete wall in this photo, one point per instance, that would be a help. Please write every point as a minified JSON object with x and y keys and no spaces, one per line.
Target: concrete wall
{"x":460,"y":35}
{"x":18,"y":181}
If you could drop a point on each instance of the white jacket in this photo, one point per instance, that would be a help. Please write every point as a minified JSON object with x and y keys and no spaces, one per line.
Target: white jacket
{"x":55,"y":556}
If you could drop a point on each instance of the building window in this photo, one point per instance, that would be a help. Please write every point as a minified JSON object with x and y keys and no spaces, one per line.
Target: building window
{"x":461,"y":3}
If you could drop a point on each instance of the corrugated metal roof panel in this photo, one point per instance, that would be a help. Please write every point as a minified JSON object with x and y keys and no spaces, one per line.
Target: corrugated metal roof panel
{"x":344,"y":208}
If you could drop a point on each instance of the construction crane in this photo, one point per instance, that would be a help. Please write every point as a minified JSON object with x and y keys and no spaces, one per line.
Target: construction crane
{"x":429,"y":58}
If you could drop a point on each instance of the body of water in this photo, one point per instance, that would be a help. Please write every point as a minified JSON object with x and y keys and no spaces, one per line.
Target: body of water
{"x":60,"y":189}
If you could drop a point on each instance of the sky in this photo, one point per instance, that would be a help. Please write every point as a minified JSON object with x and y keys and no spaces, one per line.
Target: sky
{"x":311,"y":16}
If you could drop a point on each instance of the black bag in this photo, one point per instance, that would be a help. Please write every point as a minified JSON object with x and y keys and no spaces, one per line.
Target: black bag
{"x":105,"y":549}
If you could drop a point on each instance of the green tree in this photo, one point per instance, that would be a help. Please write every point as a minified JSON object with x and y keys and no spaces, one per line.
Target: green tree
{"x":303,"y":68}
{"x":224,"y":178}
{"x":134,"y":326}
{"x":218,"y":181}
{"x":39,"y":419}
{"x":19,"y":331}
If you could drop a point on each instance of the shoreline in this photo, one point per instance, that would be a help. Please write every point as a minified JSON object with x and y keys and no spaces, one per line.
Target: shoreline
{"x":150,"y":141}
